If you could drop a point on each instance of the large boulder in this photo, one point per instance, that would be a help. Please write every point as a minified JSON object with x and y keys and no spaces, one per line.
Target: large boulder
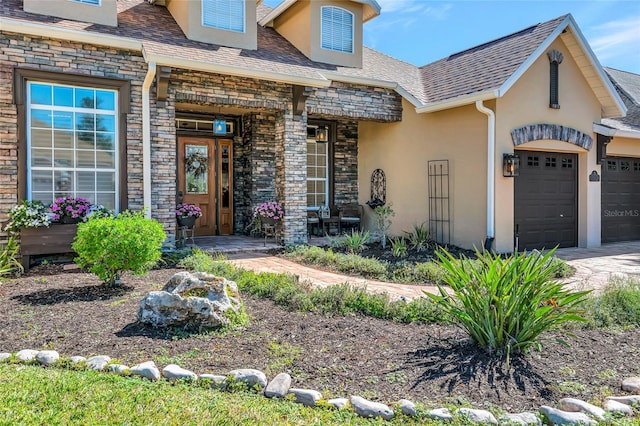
{"x":192,"y":301}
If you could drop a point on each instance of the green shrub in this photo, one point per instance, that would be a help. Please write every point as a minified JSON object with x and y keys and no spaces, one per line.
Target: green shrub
{"x":356,"y":241}
{"x":399,"y":247}
{"x":617,"y":306}
{"x":9,"y":263}
{"x":419,"y":237}
{"x":506,"y":303}
{"x":110,"y":246}
{"x":428,"y":272}
{"x":383,"y":221}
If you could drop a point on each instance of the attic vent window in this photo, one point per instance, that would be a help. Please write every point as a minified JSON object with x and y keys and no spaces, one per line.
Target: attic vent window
{"x":224,"y":14}
{"x":92,"y":2}
{"x":555,"y":59}
{"x":336,"y":29}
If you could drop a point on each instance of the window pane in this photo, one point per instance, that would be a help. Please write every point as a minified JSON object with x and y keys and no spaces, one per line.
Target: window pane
{"x":85,"y":122}
{"x":64,"y":183}
{"x":41,"y":94}
{"x":85,"y":98}
{"x":63,"y":139}
{"x":42,"y":181}
{"x":85,"y":140}
{"x":41,"y":138}
{"x":63,"y":96}
{"x":41,"y":157}
{"x":85,"y":158}
{"x":105,"y":123}
{"x":107,"y":200}
{"x":45,"y":198}
{"x":63,"y":158}
{"x":106,"y":181}
{"x":41,"y":118}
{"x":106,"y":141}
{"x":105,"y":159}
{"x":63,"y":120}
{"x":337,"y":29}
{"x":223,"y":14}
{"x":86,"y":181}
{"x":105,"y":100}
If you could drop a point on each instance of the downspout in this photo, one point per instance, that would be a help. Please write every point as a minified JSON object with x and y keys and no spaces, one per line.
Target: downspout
{"x":491,"y":174}
{"x":146,"y":139}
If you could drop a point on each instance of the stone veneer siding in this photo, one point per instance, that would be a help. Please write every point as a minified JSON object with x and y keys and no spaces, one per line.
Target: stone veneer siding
{"x":269,"y":158}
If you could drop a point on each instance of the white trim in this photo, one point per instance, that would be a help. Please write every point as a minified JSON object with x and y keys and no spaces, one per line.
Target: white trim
{"x":146,"y":139}
{"x":194,"y":65}
{"x":50,"y":31}
{"x":610,"y":131}
{"x":459,"y":101}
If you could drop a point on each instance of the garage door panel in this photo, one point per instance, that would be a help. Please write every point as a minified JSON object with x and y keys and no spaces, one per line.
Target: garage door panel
{"x":545,"y":209}
{"x":620,"y":199}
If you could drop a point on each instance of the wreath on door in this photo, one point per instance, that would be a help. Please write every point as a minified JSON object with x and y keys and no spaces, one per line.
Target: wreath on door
{"x":197,"y":163}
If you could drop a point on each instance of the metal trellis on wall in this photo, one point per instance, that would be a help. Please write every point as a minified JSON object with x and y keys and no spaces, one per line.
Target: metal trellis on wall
{"x":439,"y":205}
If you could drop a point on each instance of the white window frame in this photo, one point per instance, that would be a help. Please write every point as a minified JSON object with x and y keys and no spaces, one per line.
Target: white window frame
{"x":228,"y":15}
{"x":73,"y":169}
{"x":325,"y":179}
{"x":331,"y":43}
{"x":89,"y":2}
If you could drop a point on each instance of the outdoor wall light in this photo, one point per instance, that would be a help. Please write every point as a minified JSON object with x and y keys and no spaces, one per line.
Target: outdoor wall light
{"x":322,"y":134}
{"x":220,"y":127}
{"x":510,"y":165}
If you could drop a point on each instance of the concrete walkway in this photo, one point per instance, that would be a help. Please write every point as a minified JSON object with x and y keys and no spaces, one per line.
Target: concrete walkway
{"x":594,"y":268}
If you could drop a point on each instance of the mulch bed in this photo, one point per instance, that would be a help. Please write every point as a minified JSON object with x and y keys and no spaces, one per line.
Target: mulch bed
{"x":340,"y":356}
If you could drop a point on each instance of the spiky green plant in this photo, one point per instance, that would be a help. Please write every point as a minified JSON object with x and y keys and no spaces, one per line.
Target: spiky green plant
{"x":356,"y":241}
{"x":399,"y":247}
{"x":418,"y":237}
{"x":506,"y":303}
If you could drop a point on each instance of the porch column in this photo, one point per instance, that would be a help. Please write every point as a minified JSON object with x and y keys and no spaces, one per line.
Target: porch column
{"x":291,"y":174}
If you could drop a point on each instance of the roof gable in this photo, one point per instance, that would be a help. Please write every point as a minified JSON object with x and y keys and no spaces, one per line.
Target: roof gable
{"x":370,"y":11}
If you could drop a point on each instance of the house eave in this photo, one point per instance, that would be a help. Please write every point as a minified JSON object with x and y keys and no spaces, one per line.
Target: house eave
{"x":613,"y":132}
{"x":458,"y":102}
{"x":366,"y":81}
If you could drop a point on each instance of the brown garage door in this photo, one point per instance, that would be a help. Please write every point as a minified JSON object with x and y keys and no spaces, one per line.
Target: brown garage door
{"x":546,"y":200}
{"x":620,"y":199}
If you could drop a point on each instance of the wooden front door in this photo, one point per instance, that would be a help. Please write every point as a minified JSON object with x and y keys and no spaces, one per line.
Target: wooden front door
{"x":205,"y":178}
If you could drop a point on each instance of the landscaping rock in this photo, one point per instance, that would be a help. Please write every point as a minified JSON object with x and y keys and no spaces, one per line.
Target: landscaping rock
{"x":339,"y":403}
{"x":47,"y":357}
{"x":76,"y":359}
{"x":365,"y":408}
{"x":408,"y":408}
{"x":175,"y":372}
{"x":306,"y":397}
{"x":191,"y":300}
{"x":250,"y":376}
{"x":525,"y":418}
{"x":98,"y":362}
{"x":628,"y":399}
{"x":478,"y":416}
{"x":618,"y":407}
{"x":148,"y":370}
{"x":4,"y":356}
{"x":26,"y":355}
{"x":631,"y":385}
{"x":279,"y":386}
{"x":119,"y":369}
{"x":217,"y":381}
{"x":559,"y":417}
{"x":575,"y":405}
{"x":440,"y":414}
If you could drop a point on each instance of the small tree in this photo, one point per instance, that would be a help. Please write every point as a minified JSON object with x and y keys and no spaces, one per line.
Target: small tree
{"x":109,"y":246}
{"x":383,"y":221}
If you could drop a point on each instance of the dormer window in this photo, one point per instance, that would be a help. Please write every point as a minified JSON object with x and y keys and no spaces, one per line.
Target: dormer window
{"x":337,"y":29}
{"x":224,"y":14}
{"x":92,"y":2}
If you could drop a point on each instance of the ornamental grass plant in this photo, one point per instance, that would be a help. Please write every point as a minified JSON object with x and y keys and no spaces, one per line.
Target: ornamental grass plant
{"x":506,"y":303}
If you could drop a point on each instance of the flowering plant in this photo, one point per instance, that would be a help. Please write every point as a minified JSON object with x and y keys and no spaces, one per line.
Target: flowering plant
{"x":188,"y":210}
{"x":28,"y":214}
{"x":270,"y":209}
{"x":73,"y":207}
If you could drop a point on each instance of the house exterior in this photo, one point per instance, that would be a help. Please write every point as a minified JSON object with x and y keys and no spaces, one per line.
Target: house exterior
{"x":226,"y":104}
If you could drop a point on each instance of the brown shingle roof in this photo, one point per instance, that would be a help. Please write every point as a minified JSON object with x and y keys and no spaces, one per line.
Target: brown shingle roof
{"x":484,"y":67}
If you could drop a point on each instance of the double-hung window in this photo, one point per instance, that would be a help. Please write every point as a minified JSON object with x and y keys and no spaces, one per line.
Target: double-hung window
{"x":317,"y":173}
{"x":224,"y":14}
{"x":72,"y":143}
{"x":336,"y":29}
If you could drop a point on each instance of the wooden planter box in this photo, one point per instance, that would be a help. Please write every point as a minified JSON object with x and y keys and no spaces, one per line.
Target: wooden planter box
{"x":55,"y":239}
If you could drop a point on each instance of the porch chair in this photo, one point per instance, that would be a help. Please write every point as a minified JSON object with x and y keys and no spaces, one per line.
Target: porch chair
{"x":351,"y":216}
{"x":313,"y":222}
